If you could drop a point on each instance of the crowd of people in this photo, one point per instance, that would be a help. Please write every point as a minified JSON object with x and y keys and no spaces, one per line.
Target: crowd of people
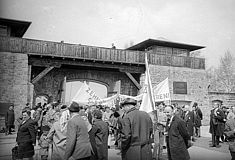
{"x":84,"y":132}
{"x":222,"y":126}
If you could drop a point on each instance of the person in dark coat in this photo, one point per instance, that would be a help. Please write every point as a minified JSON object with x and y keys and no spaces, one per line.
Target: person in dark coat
{"x":189,"y":120}
{"x":177,"y":138}
{"x":224,"y":109}
{"x":26,"y":136}
{"x":197,"y":119}
{"x":100,"y":131}
{"x":10,"y":119}
{"x":136,"y":133}
{"x":230,"y":134}
{"x":217,"y":118}
{"x":78,"y":145}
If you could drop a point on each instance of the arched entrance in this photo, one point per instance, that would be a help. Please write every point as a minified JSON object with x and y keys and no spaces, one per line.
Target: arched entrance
{"x":73,"y":86}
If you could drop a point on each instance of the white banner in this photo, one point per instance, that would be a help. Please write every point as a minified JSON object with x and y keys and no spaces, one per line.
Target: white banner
{"x":162,"y":91}
{"x":87,"y":96}
{"x":137,"y":98}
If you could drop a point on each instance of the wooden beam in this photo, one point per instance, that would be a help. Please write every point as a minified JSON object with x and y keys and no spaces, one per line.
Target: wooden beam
{"x":42,"y":74}
{"x":133,"y":80}
{"x":34,"y":61}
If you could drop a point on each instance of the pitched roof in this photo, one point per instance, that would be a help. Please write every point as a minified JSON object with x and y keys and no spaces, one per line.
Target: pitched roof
{"x":152,"y":42}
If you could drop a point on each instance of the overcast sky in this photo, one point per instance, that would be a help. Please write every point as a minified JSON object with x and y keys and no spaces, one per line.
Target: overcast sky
{"x":209,"y":23}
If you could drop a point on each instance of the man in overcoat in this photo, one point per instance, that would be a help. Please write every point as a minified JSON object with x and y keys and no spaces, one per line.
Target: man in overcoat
{"x":177,"y":139}
{"x":217,"y":118}
{"x":10,"y":119}
{"x":230,"y":133}
{"x":189,"y":120}
{"x":137,"y":128}
{"x":100,"y":132}
{"x":26,"y":136}
{"x":78,"y":145}
{"x":197,"y":119}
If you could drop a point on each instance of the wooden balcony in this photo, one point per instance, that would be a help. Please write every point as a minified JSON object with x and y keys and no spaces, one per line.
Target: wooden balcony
{"x":77,"y":51}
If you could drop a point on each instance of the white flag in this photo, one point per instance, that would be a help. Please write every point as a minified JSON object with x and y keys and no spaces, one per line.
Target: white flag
{"x":162,"y":91}
{"x":85,"y":95}
{"x":147,"y":104}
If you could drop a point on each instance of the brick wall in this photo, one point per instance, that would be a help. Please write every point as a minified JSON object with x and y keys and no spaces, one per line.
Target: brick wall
{"x":13,"y":78}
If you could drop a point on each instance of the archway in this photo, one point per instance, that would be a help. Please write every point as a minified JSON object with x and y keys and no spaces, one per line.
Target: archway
{"x":73,"y":86}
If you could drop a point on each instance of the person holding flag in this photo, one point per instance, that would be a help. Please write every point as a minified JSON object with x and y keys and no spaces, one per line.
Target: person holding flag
{"x":161,"y":93}
{"x":136,"y":132}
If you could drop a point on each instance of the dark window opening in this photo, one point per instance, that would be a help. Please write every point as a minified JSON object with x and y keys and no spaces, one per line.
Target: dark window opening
{"x":180,"y":87}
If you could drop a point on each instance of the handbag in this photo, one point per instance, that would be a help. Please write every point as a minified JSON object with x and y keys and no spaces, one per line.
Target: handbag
{"x":14,"y":152}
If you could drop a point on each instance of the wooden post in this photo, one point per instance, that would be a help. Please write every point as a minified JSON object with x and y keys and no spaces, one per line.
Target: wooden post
{"x":42,"y":74}
{"x":133,"y":80}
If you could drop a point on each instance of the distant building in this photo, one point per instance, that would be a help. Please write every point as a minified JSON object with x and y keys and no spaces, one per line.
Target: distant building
{"x":187,"y":75}
{"x":13,"y":28}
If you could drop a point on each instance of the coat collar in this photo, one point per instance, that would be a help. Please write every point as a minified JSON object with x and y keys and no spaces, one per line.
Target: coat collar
{"x":23,"y":123}
{"x":172,"y":120}
{"x":130,"y":110}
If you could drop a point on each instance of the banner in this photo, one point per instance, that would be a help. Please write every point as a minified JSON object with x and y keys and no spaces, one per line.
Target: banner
{"x":85,"y":95}
{"x":162,"y":91}
{"x":137,"y":98}
{"x":147,"y":104}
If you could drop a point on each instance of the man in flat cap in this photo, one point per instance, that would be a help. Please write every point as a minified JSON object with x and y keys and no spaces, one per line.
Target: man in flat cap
{"x":136,"y":132}
{"x":217,"y":118}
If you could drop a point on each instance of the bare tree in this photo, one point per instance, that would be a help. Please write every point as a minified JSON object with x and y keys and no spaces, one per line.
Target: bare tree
{"x":223,"y":77}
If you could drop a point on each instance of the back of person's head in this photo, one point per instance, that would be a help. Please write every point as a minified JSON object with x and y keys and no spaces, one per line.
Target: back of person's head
{"x":97,"y":114}
{"x":75,"y":107}
{"x":195,"y":104}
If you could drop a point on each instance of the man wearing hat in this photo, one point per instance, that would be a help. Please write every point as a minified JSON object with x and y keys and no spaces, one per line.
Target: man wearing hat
{"x":216,"y":122}
{"x":77,"y":143}
{"x":136,"y":132}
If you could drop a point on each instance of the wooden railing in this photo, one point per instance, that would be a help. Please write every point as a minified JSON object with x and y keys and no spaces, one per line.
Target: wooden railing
{"x":76,"y":51}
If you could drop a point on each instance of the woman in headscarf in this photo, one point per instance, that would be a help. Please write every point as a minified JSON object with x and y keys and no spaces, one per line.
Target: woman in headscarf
{"x":57,"y":133}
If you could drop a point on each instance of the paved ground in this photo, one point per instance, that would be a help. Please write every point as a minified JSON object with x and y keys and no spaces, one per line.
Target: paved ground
{"x":199,"y":151}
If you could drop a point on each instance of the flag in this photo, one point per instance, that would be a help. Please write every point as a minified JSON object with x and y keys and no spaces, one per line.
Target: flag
{"x":162,"y":91}
{"x":147,"y":104}
{"x":85,"y":95}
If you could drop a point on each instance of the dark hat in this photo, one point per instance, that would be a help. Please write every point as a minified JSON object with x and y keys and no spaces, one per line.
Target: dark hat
{"x":217,"y":101}
{"x":75,"y":107}
{"x":128,"y":101}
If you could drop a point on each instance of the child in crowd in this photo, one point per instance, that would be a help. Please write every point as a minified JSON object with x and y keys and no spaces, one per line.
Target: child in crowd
{"x":43,"y":143}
